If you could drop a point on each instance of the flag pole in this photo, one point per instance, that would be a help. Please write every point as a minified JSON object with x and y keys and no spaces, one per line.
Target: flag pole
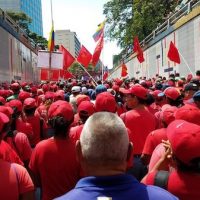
{"x":50,"y":53}
{"x":88,"y":73}
{"x":186,"y":63}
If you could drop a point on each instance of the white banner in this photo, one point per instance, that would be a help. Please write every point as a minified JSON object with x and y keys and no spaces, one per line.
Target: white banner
{"x":56,"y":60}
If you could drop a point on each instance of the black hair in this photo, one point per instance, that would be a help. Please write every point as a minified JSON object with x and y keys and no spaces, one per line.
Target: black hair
{"x":60,"y":125}
{"x":29,"y":112}
{"x":150,"y":99}
{"x":198,"y":72}
{"x":83,"y":116}
{"x":178,"y":102}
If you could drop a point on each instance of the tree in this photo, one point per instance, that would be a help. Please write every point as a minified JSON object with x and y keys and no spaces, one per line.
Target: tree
{"x":24,"y":21}
{"x":128,"y":18}
{"x":21,"y":19}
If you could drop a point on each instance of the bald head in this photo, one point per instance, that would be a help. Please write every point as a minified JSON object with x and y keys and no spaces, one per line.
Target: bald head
{"x":104,"y":140}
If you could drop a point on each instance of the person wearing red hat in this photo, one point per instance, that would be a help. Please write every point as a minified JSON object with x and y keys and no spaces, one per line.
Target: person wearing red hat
{"x":15,"y":87}
{"x":140,"y":122}
{"x":155,"y":137}
{"x":20,"y":124}
{"x":85,"y":110}
{"x":29,"y":108}
{"x":183,"y":151}
{"x":17,"y":140}
{"x":53,"y":161}
{"x":23,"y":95}
{"x":15,"y":180}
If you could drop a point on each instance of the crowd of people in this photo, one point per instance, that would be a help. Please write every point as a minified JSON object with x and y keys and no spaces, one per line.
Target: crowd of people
{"x":119,"y":139}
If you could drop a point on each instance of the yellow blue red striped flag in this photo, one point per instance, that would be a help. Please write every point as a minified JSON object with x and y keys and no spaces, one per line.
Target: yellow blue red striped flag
{"x":51,"y":42}
{"x":99,"y":31}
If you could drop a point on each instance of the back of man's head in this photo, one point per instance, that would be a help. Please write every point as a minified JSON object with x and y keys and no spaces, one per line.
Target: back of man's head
{"x":104,"y":140}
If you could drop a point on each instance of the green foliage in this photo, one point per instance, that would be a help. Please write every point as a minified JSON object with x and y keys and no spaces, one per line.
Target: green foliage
{"x":128,"y":18}
{"x":39,"y":40}
{"x":21,"y":19}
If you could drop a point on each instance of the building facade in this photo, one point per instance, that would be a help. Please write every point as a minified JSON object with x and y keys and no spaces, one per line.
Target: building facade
{"x":69,"y":40}
{"x":33,"y":8}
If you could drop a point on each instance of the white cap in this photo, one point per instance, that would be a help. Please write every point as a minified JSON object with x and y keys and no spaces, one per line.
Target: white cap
{"x":84,"y":90}
{"x":76,"y":89}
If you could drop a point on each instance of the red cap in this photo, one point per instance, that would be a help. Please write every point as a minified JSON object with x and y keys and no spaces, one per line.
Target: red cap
{"x":23,"y":84}
{"x":86,"y":106}
{"x":3,"y":120}
{"x":115,"y":87}
{"x":59,"y":95}
{"x":8,"y":111}
{"x":49,"y":95}
{"x":118,"y":81}
{"x":155,"y":94}
{"x":2,"y":100}
{"x":185,"y":139}
{"x":81,"y":97}
{"x":138,"y":91}
{"x":40,"y":92}
{"x":29,"y":103}
{"x":167,"y":113}
{"x":23,"y":95}
{"x":15,"y":86}
{"x":62,"y":109}
{"x":45,"y":87}
{"x":172,"y":93}
{"x":16,"y":103}
{"x":105,"y":102}
{"x":107,"y":85}
{"x":189,"y":113}
{"x":34,"y":89}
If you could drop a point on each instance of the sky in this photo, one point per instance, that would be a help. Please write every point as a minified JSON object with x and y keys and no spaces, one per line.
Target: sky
{"x":82,"y":17}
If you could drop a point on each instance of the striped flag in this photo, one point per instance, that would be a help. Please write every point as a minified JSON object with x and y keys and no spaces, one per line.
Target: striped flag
{"x":99,"y":31}
{"x":51,"y":42}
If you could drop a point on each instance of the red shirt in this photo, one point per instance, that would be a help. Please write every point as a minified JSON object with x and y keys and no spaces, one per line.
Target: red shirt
{"x":20,"y":144}
{"x":35,"y":123}
{"x":75,"y":132}
{"x":140,"y":122}
{"x":8,"y":154}
{"x":153,"y":139}
{"x":184,"y":185}
{"x":53,"y":163}
{"x":15,"y":180}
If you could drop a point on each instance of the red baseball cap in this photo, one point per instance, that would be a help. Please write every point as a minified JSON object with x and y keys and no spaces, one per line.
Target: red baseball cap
{"x":15,"y":86}
{"x":23,"y":95}
{"x":82,"y":97}
{"x":29,"y":103}
{"x":86,"y":106}
{"x":185,"y":139}
{"x":115,"y":87}
{"x":8,"y":111}
{"x":188,"y":113}
{"x":49,"y":95}
{"x":168,"y":113}
{"x":138,"y":91}
{"x":62,"y":109}
{"x":2,"y":100}
{"x":3,"y":120}
{"x":16,"y":103}
{"x":171,"y":92}
{"x":105,"y":102}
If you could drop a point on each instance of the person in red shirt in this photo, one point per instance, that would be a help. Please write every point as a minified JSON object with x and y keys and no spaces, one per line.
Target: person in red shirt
{"x":15,"y":180}
{"x":183,"y":150}
{"x":155,"y":137}
{"x":140,"y":122}
{"x":53,"y":161}
{"x":85,"y":110}
{"x":17,"y":140}
{"x":29,"y":108}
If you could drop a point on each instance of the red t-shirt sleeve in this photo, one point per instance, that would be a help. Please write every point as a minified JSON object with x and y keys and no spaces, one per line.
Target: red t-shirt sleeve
{"x":149,"y":180}
{"x":149,"y":146}
{"x":24,"y":180}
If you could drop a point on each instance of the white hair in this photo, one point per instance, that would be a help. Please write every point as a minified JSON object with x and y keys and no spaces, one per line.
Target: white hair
{"x":104,"y":139}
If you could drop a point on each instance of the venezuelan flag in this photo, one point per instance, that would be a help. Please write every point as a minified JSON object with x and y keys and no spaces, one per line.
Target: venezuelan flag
{"x":99,"y":31}
{"x":51,"y":43}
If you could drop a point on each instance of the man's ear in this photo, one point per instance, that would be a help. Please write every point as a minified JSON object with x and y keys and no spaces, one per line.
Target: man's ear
{"x":130,"y":151}
{"x":78,"y":151}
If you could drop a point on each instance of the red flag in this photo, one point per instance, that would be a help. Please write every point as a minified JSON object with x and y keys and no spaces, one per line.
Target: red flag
{"x":55,"y":74}
{"x":105,"y":76}
{"x":137,"y":49}
{"x":84,"y":57}
{"x":44,"y":74}
{"x":68,"y":59}
{"x":173,"y":53}
{"x":97,"y":51}
{"x":124,"y":70}
{"x":67,"y":75}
